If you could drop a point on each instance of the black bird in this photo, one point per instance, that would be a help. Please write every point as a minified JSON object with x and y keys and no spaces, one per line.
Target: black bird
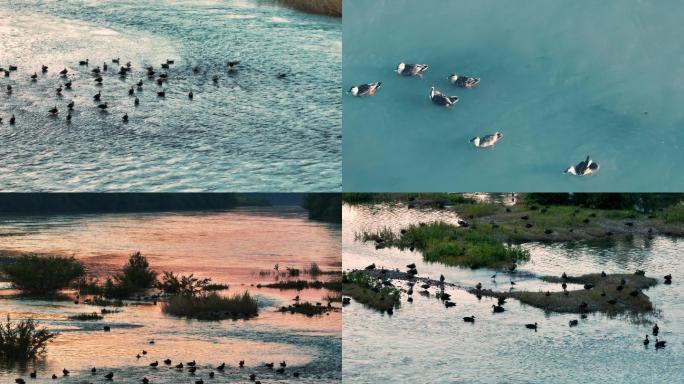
{"x":165,"y":66}
{"x":140,"y":83}
{"x":283,"y":364}
{"x":104,"y":66}
{"x":588,"y":286}
{"x":54,"y":376}
{"x":501,"y":300}
{"x":270,"y":365}
{"x":531,"y":326}
{"x":125,"y":118}
{"x":192,"y":363}
{"x":12,"y":120}
{"x":211,"y":374}
{"x":20,"y":381}
{"x":497,"y":308}
{"x":12,"y":67}
{"x":603,"y":274}
{"x":168,"y":61}
{"x":411,"y":266}
{"x":167,"y":361}
{"x":145,"y":380}
{"x":280,"y":370}
{"x":83,"y":62}
{"x":252,"y":376}
{"x":469,"y":319}
{"x":190,"y":95}
{"x":44,"y":69}
{"x":646,"y":340}
{"x":136,"y":101}
{"x":573,"y":323}
{"x":295,"y":374}
{"x":215,"y":78}
{"x":59,"y":90}
{"x":668,"y":278}
{"x":242,"y":363}
{"x":478,"y":286}
{"x":93,"y":370}
{"x":34,"y":76}
{"x":97,"y":96}
{"x":161,"y":93}
{"x":221,"y":367}
{"x":98,"y":80}
{"x":33,"y":374}
{"x":54,"y":110}
{"x":109,"y":376}
{"x":9,"y":88}
{"x":144,"y":352}
{"x":655,"y":330}
{"x":660,"y":344}
{"x":449,"y":304}
{"x":155,"y":364}
{"x":583,"y":306}
{"x":71,"y":105}
{"x":103,"y":107}
{"x":65,"y":372}
{"x":179,"y":366}
{"x":63,"y":72}
{"x":131,"y":92}
{"x":192,"y":370}
{"x":96,"y":70}
{"x":115,"y":60}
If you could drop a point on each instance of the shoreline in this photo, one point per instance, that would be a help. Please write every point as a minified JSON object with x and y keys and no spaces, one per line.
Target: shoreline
{"x":332,"y":8}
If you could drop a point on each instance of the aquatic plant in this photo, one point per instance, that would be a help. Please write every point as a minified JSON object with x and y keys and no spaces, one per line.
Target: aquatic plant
{"x":211,"y":306}
{"x":86,"y":316}
{"x":364,"y":289}
{"x":35,"y":274}
{"x":674,"y":214}
{"x":333,"y":285}
{"x":186,"y":285}
{"x":293,"y":272}
{"x":103,"y":302}
{"x":88,"y":286}
{"x":314,"y":269}
{"x":333,"y":298}
{"x":306,"y":308}
{"x":429,"y":199}
{"x":136,"y":274}
{"x":21,"y":341}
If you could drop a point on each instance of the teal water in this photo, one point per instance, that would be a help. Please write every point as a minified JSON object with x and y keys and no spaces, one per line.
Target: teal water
{"x":251,"y":131}
{"x":561,"y":80}
{"x":423,"y":342}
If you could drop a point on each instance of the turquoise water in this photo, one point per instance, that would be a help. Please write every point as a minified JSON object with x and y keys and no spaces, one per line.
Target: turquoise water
{"x":423,"y":342}
{"x":561,"y":80}
{"x":251,"y":131}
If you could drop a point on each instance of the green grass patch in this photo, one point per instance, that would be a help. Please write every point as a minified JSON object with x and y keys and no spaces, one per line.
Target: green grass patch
{"x":37,"y":275}
{"x":674,"y":214}
{"x":476,"y":210}
{"x":333,"y":285}
{"x":306,"y":308}
{"x":211,"y":306}
{"x":22,"y":341}
{"x":369,"y":291}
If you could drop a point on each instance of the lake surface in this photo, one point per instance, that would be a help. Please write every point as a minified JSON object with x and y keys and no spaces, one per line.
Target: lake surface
{"x":235,"y":247}
{"x":560,"y":81}
{"x":425,"y":342}
{"x":250,"y":131}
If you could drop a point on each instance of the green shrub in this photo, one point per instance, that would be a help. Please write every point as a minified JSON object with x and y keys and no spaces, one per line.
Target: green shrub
{"x":136,"y":276}
{"x":211,"y":306}
{"x":674,"y":214}
{"x":23,"y":340}
{"x":43,"y":274}
{"x":370,"y":292}
{"x":86,"y":317}
{"x":186,"y":285}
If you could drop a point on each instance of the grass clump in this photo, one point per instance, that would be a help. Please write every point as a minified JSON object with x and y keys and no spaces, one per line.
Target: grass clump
{"x":34,"y":274}
{"x":104,"y":302}
{"x":86,"y":317}
{"x":211,"y":306}
{"x":674,"y":214}
{"x":173,"y":284}
{"x":299,"y":285}
{"x":370,"y":292}
{"x":306,"y":308}
{"x":22,"y":341}
{"x":476,"y":210}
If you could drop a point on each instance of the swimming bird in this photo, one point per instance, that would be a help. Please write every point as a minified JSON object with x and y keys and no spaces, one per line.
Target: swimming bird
{"x":20,"y":381}
{"x":564,"y":276}
{"x":144,"y":352}
{"x":192,"y":370}
{"x":34,"y":76}
{"x":365,"y":90}
{"x":221,"y":367}
{"x":33,"y":374}
{"x":104,"y":66}
{"x":98,"y":80}
{"x":103,"y":107}
{"x":469,"y":319}
{"x":83,"y":62}
{"x":145,"y":380}
{"x":165,"y":66}
{"x":65,"y":372}
{"x":411,"y":70}
{"x":215,"y":78}
{"x":280,"y":370}
{"x":497,"y":308}
{"x":668,"y":278}
{"x":109,"y":376}
{"x":116,"y":60}
{"x":564,"y":285}
{"x":646,"y":340}
{"x":161,"y":93}
{"x":531,"y":326}
{"x":192,"y":363}
{"x":97,"y":96}
{"x":486,"y":141}
{"x":63,"y":72}
{"x":96,"y":70}
{"x":9,"y":88}
{"x":656,"y":329}
{"x":44,"y":69}
{"x":252,"y":376}
{"x":54,"y":110}
{"x":584,"y":168}
{"x":270,"y":365}
{"x":136,"y":101}
{"x":411,"y":266}
{"x":155,"y":364}
{"x":464,"y":81}
{"x":131,"y":92}
{"x":478,"y":286}
{"x":12,"y":120}
{"x":588,"y":286}
{"x":179,"y":366}
{"x":295,"y":374}
{"x":67,"y":85}
{"x":167,"y":361}
{"x":71,"y":105}
{"x":449,"y":304}
{"x":59,"y":90}
{"x":200,"y":381}
{"x":501,"y":300}
{"x":241,"y":363}
{"x":12,"y":67}
{"x":283,"y":364}
{"x":573,"y":323}
{"x":232,"y":66}
{"x":440,"y":99}
{"x":54,"y":376}
{"x":660,"y":344}
{"x":603,"y":274}
{"x":191,"y":95}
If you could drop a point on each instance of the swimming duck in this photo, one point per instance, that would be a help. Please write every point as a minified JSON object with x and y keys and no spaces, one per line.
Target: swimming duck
{"x":59,"y":90}
{"x":469,"y":319}
{"x":232,"y":66}
{"x":531,"y":326}
{"x":63,"y":72}
{"x":478,"y":286}
{"x":136,"y":101}
{"x":179,"y":366}
{"x":167,"y":361}
{"x":487,"y":141}
{"x":83,"y":62}
{"x":270,"y":365}
{"x":192,"y":370}
{"x":145,"y":380}
{"x":34,"y":76}
{"x":154,"y":364}
{"x":20,"y":381}
{"x":12,"y":68}
{"x":440,"y":99}
{"x":97,"y":96}
{"x":44,"y":69}
{"x":96,"y":70}
{"x":54,"y":377}
{"x":165,"y":66}
{"x":656,"y":329}
{"x":573,"y":323}
{"x":109,"y":376}
{"x":65,"y":372}
{"x":449,"y":304}
{"x":9,"y":88}
{"x":192,"y":363}
{"x":252,"y":376}
{"x":497,"y":308}
{"x":365,"y":90}
{"x":71,"y":105}
{"x":131,"y":92}
{"x":68,"y":118}
{"x":646,"y":340}
{"x":103,"y":107}
{"x":584,"y":168}
{"x":104,"y":66}
{"x":603,"y":274}
{"x":668,"y":278}
{"x":660,"y":344}
{"x":12,"y":120}
{"x":221,"y":367}
{"x":464,"y":81}
{"x":54,"y":110}
{"x":411,"y":70}
{"x":215,"y":78}
{"x":98,"y":80}
{"x":411,"y":266}
{"x":241,"y":363}
{"x":191,"y":95}
{"x":33,"y":374}
{"x":161,"y":93}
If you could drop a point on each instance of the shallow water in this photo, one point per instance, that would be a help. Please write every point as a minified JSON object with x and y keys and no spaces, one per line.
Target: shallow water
{"x":249,"y":132}
{"x":230,"y":247}
{"x":587,"y":78}
{"x":425,"y":342}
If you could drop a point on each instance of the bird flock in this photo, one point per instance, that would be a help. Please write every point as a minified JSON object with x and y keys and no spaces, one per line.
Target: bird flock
{"x":584,"y":168}
{"x":583,"y":308}
{"x":191,"y":367}
{"x":100,"y":75}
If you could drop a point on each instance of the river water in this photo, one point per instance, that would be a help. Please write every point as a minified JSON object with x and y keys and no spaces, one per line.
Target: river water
{"x":250,"y":131}
{"x":425,"y":342}
{"x":235,"y":247}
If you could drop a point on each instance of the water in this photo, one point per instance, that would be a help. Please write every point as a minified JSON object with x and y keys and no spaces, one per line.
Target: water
{"x":230,"y":247}
{"x":249,"y":132}
{"x":560,"y":81}
{"x":425,"y":342}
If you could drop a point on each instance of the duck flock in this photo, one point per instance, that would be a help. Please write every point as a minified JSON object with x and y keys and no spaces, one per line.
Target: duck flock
{"x":583,"y":168}
{"x":100,"y":77}
{"x":192,"y":368}
{"x":423,"y":289}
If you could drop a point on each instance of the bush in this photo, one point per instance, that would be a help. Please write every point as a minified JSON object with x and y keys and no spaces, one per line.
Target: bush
{"x":40,"y":275}
{"x":23,"y":341}
{"x":186,"y":285}
{"x":136,"y":276}
{"x":86,"y":317}
{"x":211,"y":306}
{"x":674,"y":214}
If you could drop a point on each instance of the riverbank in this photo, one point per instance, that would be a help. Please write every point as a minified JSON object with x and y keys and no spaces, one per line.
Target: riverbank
{"x":319,"y":7}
